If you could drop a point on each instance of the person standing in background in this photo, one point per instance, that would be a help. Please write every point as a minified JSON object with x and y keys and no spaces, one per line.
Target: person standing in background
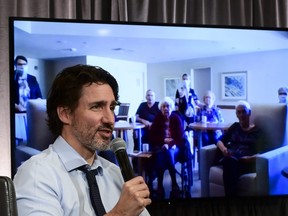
{"x":26,"y":85}
{"x":282,"y":94}
{"x":186,"y":100}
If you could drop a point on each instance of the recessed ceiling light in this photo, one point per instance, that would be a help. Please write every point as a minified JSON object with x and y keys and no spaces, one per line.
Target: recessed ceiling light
{"x":122,"y":50}
{"x":103,"y":32}
{"x":69,"y":50}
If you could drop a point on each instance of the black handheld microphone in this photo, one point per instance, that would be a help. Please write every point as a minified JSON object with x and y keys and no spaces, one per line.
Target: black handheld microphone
{"x":118,"y":146}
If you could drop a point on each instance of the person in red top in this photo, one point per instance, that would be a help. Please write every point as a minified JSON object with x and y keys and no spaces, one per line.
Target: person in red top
{"x":166,"y":140}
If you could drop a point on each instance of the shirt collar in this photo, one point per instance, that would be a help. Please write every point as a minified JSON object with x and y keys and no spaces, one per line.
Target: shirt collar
{"x":70,"y":158}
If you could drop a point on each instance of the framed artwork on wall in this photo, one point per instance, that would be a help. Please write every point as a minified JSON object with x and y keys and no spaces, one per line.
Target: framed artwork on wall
{"x":234,"y":85}
{"x":170,"y":87}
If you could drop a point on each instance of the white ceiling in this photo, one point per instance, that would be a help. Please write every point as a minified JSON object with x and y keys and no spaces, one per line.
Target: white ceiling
{"x":141,"y":43}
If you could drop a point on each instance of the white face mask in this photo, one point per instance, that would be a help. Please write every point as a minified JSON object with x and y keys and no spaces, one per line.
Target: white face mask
{"x":186,"y":83}
{"x":22,"y":70}
{"x":282,"y":98}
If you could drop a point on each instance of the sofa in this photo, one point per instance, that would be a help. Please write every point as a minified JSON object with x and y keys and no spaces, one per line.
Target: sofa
{"x":267,"y":180}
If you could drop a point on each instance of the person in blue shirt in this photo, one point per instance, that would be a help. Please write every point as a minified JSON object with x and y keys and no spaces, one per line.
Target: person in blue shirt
{"x":145,"y":114}
{"x":80,"y":108}
{"x":213,"y":115}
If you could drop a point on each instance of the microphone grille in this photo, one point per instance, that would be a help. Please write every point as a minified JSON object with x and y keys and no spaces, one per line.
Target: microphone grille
{"x":117,"y":144}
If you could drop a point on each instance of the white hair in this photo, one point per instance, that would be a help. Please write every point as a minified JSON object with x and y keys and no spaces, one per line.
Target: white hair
{"x":243,"y":103}
{"x":167,"y":100}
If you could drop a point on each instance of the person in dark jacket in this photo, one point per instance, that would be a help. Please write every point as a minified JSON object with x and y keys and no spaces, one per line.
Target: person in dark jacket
{"x":186,"y":100}
{"x":26,"y":85}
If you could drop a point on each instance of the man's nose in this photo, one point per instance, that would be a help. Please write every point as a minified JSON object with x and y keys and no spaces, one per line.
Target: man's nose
{"x":109,"y":115}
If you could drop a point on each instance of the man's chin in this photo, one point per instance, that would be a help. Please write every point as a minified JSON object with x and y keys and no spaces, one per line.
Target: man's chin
{"x":104,"y":144}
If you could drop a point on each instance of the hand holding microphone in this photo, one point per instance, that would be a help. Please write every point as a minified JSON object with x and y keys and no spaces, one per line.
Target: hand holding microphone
{"x":135,"y":193}
{"x":118,"y":146}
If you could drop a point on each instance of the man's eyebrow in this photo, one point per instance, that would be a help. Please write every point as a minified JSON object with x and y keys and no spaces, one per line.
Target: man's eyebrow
{"x":103,"y":102}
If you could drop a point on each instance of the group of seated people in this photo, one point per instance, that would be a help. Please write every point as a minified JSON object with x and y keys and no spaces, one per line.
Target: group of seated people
{"x":165,"y":132}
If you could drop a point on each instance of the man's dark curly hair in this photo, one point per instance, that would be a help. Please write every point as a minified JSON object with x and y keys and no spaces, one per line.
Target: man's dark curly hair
{"x":67,"y":87}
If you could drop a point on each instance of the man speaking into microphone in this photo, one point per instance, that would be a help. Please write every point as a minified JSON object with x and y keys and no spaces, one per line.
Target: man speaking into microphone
{"x":69,"y":178}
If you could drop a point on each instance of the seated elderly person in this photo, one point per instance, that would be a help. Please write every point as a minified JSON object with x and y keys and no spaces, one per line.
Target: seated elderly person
{"x":166,"y":140}
{"x":145,"y":114}
{"x":213,"y":115}
{"x":239,"y":146}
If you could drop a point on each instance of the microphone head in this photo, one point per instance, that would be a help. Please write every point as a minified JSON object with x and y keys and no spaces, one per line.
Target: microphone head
{"x":117,"y":144}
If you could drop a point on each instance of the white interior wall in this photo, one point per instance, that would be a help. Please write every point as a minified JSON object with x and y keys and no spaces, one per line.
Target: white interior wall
{"x":131,"y":78}
{"x":266,"y":72}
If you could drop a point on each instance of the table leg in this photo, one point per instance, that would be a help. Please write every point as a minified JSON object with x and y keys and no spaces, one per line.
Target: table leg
{"x":140,"y":139}
{"x":199,"y":143}
{"x":122,"y":134}
{"x":125,"y":136}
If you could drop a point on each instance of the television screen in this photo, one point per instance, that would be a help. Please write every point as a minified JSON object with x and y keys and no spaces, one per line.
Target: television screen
{"x":145,"y":56}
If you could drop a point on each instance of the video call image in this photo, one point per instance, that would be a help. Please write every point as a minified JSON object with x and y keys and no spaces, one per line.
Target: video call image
{"x":226,"y":64}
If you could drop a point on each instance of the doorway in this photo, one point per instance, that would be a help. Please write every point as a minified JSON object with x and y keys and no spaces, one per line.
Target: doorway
{"x":201,"y":81}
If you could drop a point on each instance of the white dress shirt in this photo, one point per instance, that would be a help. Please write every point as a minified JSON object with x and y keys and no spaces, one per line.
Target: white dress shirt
{"x":50,"y":184}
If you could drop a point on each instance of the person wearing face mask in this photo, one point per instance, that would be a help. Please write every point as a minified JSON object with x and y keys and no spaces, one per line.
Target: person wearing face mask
{"x":186,"y":100}
{"x":282,"y":94}
{"x":26,"y":85}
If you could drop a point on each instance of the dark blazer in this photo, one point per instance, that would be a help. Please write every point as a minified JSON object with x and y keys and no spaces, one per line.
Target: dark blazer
{"x":35,"y":91}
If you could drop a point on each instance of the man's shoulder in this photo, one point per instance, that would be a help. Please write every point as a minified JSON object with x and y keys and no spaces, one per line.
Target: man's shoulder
{"x":40,"y":163}
{"x":234,"y":126}
{"x":31,"y":78}
{"x":45,"y":156}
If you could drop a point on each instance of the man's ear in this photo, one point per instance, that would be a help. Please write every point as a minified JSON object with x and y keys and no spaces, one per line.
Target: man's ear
{"x":64,"y":114}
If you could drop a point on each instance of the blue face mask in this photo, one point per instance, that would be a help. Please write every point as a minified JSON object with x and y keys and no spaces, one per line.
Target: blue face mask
{"x":282,"y":98}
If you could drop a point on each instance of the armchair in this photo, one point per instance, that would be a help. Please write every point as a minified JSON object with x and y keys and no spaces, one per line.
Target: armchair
{"x":272,"y":119}
{"x":8,"y":203}
{"x":38,"y":134}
